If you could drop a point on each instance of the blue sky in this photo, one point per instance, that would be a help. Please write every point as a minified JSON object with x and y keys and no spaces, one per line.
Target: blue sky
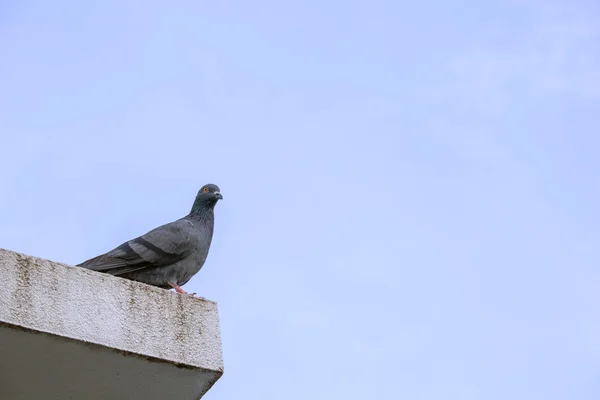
{"x":411,"y":190}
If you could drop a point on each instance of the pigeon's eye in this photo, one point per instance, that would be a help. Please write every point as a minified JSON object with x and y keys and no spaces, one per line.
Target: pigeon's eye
{"x":205,"y":190}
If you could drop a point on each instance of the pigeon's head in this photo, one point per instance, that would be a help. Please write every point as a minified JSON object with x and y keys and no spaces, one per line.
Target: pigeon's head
{"x":207,"y":197}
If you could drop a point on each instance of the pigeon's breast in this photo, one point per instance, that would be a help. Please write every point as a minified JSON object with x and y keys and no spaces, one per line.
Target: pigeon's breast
{"x":188,"y":267}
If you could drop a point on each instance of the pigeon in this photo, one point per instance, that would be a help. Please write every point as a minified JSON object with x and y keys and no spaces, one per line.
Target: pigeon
{"x":167,"y":256}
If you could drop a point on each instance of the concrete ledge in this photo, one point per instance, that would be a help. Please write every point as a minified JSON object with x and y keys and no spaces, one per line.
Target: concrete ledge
{"x":71,"y":333}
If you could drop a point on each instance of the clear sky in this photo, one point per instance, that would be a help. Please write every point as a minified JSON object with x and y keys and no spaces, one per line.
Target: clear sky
{"x":410,"y":188}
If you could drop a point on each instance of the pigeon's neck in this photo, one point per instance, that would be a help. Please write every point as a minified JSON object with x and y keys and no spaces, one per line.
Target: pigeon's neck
{"x":202,"y":210}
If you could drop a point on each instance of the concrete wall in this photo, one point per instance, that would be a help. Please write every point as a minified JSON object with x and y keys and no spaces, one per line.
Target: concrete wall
{"x":67,"y":332}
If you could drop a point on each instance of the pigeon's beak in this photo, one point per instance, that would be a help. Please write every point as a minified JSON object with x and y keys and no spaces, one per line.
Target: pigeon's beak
{"x":218,"y":195}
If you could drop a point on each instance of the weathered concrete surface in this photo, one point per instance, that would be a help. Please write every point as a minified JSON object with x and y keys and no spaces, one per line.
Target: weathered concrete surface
{"x":70,"y":333}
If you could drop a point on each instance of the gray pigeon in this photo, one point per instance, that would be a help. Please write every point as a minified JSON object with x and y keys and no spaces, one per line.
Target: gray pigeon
{"x":169,"y":255}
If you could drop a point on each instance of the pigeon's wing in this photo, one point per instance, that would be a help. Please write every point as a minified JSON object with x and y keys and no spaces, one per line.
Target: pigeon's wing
{"x":160,"y":247}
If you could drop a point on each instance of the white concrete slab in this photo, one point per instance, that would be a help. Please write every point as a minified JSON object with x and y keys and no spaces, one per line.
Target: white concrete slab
{"x":70,"y":333}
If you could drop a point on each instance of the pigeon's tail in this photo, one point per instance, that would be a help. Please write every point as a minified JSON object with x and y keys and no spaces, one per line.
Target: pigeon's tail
{"x":89,"y":263}
{"x":111,"y":265}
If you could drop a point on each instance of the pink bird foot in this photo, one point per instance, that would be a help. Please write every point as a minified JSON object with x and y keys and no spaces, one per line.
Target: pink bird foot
{"x":179,"y":289}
